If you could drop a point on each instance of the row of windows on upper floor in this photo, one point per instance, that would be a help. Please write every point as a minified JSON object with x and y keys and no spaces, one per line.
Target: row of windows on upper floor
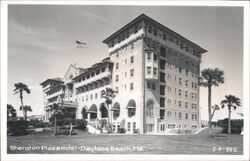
{"x":180,"y":114}
{"x":150,"y":112}
{"x":125,"y":61}
{"x":153,"y":86}
{"x":154,"y":31}
{"x":95,"y":95}
{"x":94,"y":73}
{"x":93,"y":86}
{"x":180,"y":104}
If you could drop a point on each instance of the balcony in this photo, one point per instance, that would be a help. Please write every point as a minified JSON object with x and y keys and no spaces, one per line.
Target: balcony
{"x":56,"y":94}
{"x":93,"y":79}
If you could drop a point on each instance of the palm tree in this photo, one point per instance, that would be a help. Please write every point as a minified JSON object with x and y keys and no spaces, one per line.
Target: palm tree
{"x":108,"y":95}
{"x":20,"y":88}
{"x":25,"y":109}
{"x":56,"y":110}
{"x":230,"y":101}
{"x":211,"y":77}
{"x":11,"y":111}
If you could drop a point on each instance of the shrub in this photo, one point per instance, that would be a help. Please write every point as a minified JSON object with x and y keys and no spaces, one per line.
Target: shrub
{"x":38,"y":124}
{"x":80,"y":124}
{"x":121,"y":130}
{"x":17,"y":127}
{"x":236,"y":125}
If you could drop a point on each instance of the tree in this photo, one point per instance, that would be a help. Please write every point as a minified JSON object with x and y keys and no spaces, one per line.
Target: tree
{"x":25,"y":109}
{"x":56,"y":112}
{"x":215,"y":108}
{"x":211,"y":77}
{"x":108,"y":95}
{"x":11,"y":111}
{"x":20,"y":88}
{"x":230,"y":101}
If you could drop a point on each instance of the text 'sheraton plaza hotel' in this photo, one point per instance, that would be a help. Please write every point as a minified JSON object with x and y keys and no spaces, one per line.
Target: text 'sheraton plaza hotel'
{"x":155,"y":72}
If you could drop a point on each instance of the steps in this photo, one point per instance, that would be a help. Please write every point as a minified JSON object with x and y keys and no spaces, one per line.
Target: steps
{"x":91,"y":129}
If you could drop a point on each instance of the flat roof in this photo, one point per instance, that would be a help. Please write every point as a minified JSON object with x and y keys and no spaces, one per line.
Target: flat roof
{"x":146,"y":18}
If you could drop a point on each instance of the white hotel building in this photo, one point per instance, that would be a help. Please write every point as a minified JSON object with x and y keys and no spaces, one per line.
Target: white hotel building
{"x":155,"y":72}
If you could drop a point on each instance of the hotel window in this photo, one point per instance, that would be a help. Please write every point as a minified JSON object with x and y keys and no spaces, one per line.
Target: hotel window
{"x":195,"y":116}
{"x":192,"y":105}
{"x":150,"y":109}
{"x":180,"y":81}
{"x":155,"y":71}
{"x":192,"y":84}
{"x":186,"y":83}
{"x":164,"y":37}
{"x":87,"y":98}
{"x":163,"y":52}
{"x":180,"y":115}
{"x":179,"y":92}
{"x":131,"y":112}
{"x":155,"y":57}
{"x":169,"y":100}
{"x":186,"y":116}
{"x":135,"y":29}
{"x":117,"y":66}
{"x":186,"y":104}
{"x":125,"y":74}
{"x":192,"y":116}
{"x":171,"y":126}
{"x":148,"y":85}
{"x":162,"y":90}
{"x":117,"y":78}
{"x":131,"y":86}
{"x":134,"y":126}
{"x":125,"y":61}
{"x":123,"y":37}
{"x":149,"y":56}
{"x":117,"y":89}
{"x":186,"y":72}
{"x":87,"y":77}
{"x":195,"y":85}
{"x":131,"y":72}
{"x":180,"y":70}
{"x":195,"y":96}
{"x":186,"y":94}
{"x":125,"y":86}
{"x":162,"y":114}
{"x":95,"y":95}
{"x":162,"y":77}
{"x":128,"y":126}
{"x":82,"y":99}
{"x":132,"y":59}
{"x":180,"y":104}
{"x":91,"y":96}
{"x":155,"y":32}
{"x":192,"y":95}
{"x":153,"y":86}
{"x":162,"y":64}
{"x":169,"y":89}
{"x":97,"y":72}
{"x":148,"y":70}
{"x":103,"y":69}
{"x":132,"y":46}
{"x":162,"y":102}
{"x":149,"y":29}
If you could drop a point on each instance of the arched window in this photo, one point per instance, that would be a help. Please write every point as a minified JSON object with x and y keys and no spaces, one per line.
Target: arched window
{"x":131,"y":108}
{"x":150,"y":108}
{"x":84,"y":113}
{"x":116,"y":110}
{"x":103,"y":110}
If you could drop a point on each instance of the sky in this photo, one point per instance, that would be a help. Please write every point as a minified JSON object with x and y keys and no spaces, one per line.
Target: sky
{"x":41,"y":43}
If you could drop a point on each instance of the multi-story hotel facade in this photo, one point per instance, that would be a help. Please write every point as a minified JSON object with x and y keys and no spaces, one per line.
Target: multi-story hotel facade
{"x":154,"y":71}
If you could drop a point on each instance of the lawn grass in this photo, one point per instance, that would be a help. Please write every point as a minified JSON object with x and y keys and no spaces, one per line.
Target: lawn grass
{"x":131,"y":144}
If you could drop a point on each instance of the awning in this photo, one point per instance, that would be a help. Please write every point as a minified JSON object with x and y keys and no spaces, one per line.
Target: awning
{"x":92,"y":109}
{"x":116,"y":107}
{"x":131,"y":104}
